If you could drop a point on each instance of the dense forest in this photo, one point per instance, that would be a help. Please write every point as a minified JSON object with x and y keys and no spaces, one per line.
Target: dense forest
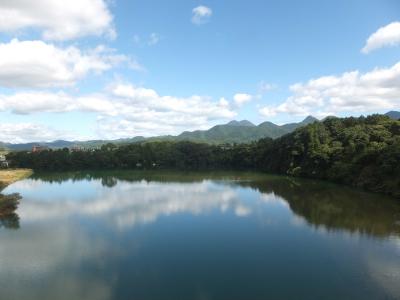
{"x":363,"y":152}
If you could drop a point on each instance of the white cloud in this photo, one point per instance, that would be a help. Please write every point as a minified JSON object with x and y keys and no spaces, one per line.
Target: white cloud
{"x":223,"y":102}
{"x":373,"y":91}
{"x":126,"y":110}
{"x":142,"y":111}
{"x":201,"y":14}
{"x":36,"y":64}
{"x":388,"y":35}
{"x":24,"y":103}
{"x":27,"y":132}
{"x":58,"y":20}
{"x":154,"y":38}
{"x":150,"y":40}
{"x":241,"y":98}
{"x":268,"y":111}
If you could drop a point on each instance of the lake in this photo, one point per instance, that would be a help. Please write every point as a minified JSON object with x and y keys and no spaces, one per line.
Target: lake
{"x":145,"y":235}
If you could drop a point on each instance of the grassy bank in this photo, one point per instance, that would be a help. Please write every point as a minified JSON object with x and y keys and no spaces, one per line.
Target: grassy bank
{"x":9,"y":203}
{"x":12,"y":175}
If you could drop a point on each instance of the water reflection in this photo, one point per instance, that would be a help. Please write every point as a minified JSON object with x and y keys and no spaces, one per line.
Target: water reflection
{"x":129,"y":204}
{"x":126,"y":235}
{"x":129,"y":198}
{"x":8,"y":205}
{"x":47,"y":259}
{"x":336,"y":207}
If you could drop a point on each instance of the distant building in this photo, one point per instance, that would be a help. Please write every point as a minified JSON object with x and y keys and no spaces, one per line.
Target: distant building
{"x":39,"y":148}
{"x":77,"y":148}
{"x":3,"y":161}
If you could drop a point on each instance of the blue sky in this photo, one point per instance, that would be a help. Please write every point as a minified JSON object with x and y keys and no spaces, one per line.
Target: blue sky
{"x":113,"y":69}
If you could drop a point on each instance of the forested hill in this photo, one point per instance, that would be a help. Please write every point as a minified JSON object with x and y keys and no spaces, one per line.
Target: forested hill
{"x":395,"y":115}
{"x":363,"y":152}
{"x":232,"y":132}
{"x":241,"y":132}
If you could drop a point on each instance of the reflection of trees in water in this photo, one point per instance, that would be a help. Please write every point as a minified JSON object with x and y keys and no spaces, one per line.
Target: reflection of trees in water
{"x":110,"y":178}
{"x":319,"y":203}
{"x":109,"y":181}
{"x":336,"y":207}
{"x":8,"y":205}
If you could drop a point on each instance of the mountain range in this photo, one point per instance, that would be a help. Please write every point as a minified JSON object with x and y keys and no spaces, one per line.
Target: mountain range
{"x":242,"y":131}
{"x":232,"y":132}
{"x":395,"y":115}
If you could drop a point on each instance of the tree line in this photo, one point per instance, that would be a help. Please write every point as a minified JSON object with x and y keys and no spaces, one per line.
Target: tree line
{"x":363,"y":152}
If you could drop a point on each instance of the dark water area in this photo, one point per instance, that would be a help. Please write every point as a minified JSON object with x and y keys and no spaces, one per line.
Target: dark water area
{"x":161,"y":235}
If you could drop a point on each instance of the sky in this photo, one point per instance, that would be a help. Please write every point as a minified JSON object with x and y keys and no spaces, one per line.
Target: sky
{"x":109,"y":69}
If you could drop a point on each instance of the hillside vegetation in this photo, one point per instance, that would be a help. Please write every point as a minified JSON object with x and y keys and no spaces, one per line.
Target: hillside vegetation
{"x":241,"y":132}
{"x":232,"y":132}
{"x":362,"y":152}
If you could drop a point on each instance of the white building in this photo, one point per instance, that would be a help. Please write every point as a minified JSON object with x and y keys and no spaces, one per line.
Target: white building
{"x":3,"y":161}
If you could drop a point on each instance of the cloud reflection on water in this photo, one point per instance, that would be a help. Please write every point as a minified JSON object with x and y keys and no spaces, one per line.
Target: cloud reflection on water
{"x":56,"y":231}
{"x":128,"y":204}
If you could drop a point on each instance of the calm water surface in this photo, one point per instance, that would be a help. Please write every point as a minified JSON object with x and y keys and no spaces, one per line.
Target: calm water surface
{"x":127,"y":235}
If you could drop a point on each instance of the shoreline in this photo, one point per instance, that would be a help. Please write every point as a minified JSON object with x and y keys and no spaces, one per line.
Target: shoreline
{"x":9,"y":203}
{"x":82,"y":173}
{"x":9,"y":176}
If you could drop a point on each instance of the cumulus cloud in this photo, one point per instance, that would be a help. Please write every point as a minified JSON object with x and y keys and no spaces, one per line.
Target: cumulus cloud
{"x":388,"y":35}
{"x":201,"y":14}
{"x":27,"y":132}
{"x":223,"y":102}
{"x":241,"y":98}
{"x":30,"y":102}
{"x":373,"y":91}
{"x":58,"y":20}
{"x":125,"y":110}
{"x":268,"y":111}
{"x":143,"y":111}
{"x":36,"y":64}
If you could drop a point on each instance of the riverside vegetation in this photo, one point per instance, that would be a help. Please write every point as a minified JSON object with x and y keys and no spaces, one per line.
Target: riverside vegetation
{"x":9,"y":203}
{"x":362,"y":152}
